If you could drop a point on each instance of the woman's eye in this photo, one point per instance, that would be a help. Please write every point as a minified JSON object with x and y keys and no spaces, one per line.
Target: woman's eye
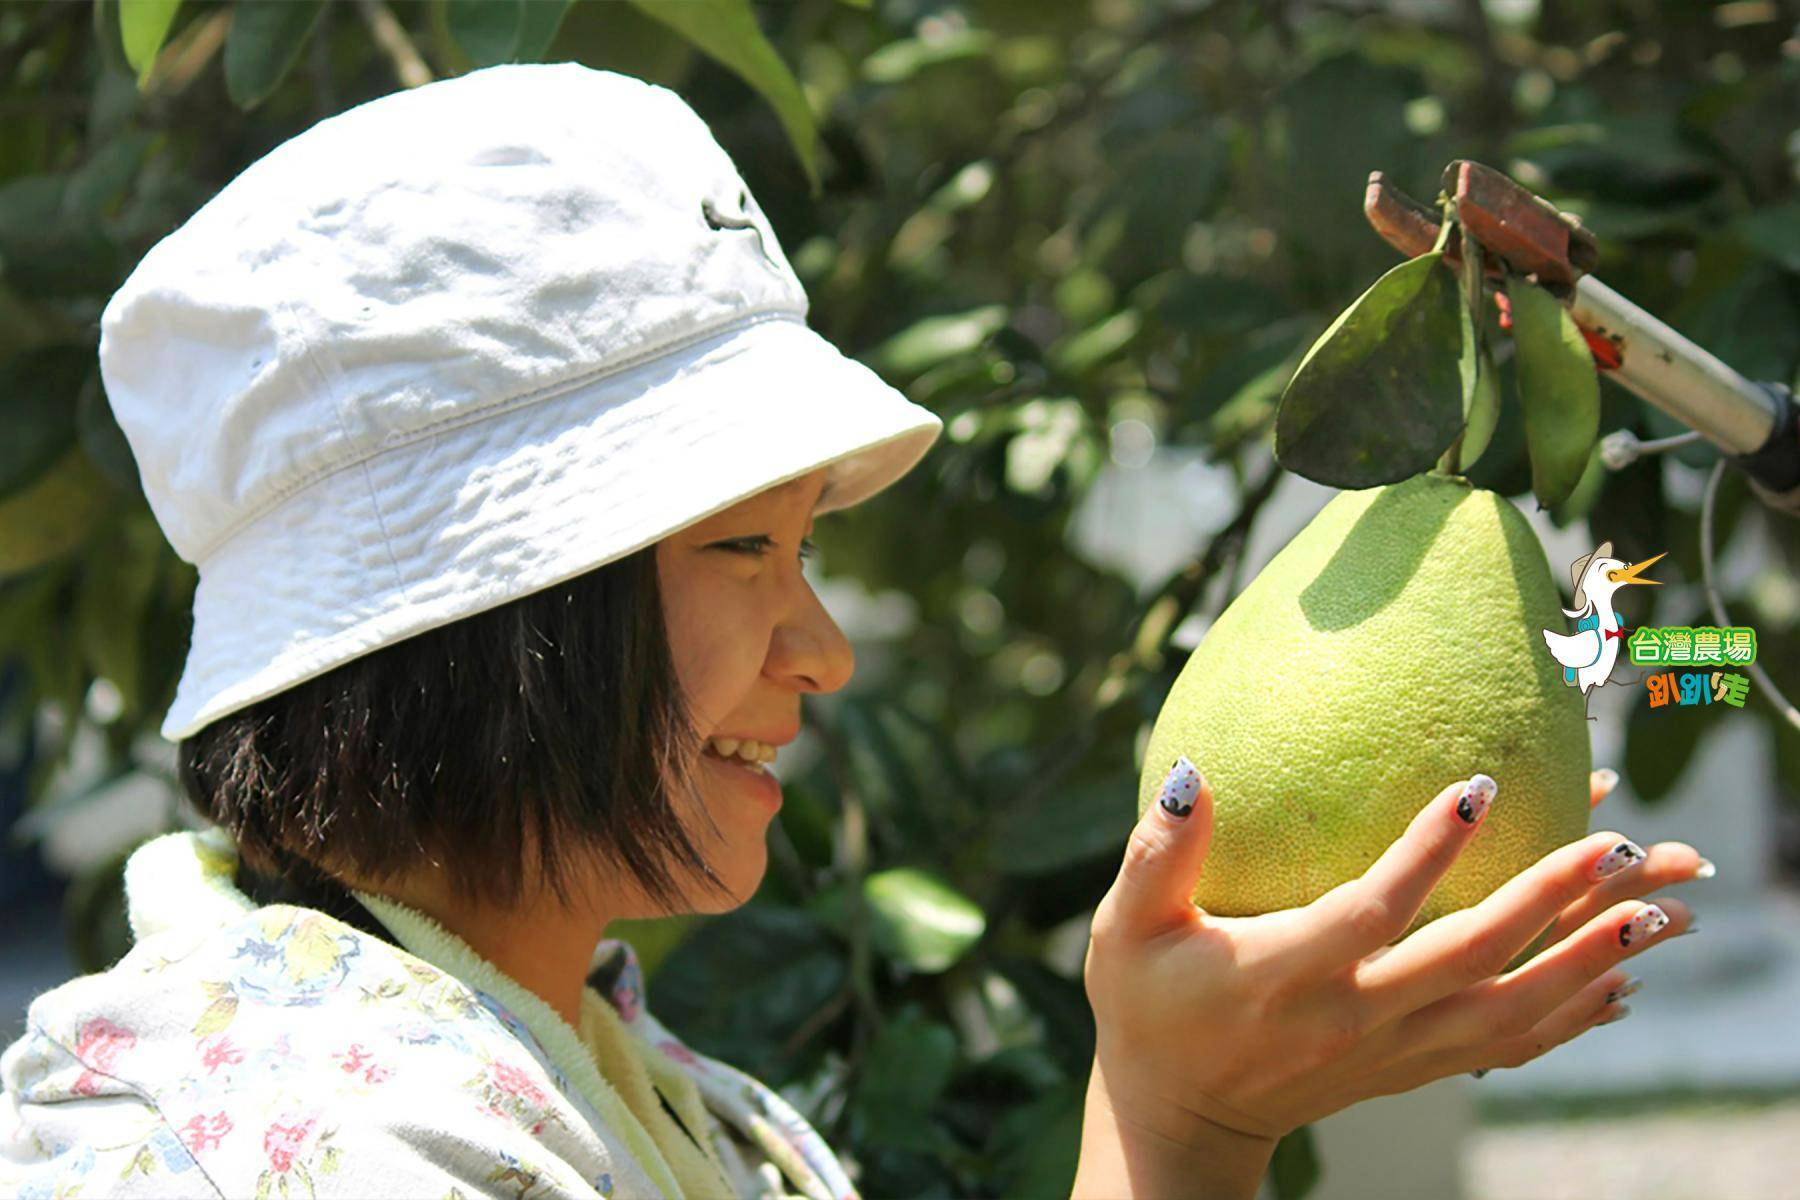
{"x":759,"y":545}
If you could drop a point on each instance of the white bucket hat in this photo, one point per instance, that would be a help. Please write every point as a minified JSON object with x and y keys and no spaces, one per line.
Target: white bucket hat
{"x":459,"y":344}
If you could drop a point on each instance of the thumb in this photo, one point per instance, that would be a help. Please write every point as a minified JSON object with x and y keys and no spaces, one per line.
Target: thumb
{"x":1163,"y":859}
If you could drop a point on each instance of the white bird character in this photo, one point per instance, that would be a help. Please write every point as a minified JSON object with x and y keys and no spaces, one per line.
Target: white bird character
{"x":1588,"y":654}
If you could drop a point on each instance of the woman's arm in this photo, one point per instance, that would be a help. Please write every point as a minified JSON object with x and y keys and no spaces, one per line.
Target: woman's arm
{"x":1123,"y":1158}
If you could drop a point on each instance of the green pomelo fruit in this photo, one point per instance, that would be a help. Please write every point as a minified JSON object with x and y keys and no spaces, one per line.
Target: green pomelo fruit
{"x":1390,"y":649}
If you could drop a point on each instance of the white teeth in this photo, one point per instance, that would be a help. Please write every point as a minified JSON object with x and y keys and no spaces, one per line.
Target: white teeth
{"x":747,"y":749}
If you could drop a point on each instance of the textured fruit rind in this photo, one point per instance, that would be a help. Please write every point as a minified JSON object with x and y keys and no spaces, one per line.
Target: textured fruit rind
{"x":1390,"y":649}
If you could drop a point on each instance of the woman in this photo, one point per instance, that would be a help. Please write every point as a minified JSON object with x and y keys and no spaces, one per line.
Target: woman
{"x":489,"y":414}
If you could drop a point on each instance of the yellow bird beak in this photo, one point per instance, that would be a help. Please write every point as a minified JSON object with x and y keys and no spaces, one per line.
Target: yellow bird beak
{"x":1630,"y":574}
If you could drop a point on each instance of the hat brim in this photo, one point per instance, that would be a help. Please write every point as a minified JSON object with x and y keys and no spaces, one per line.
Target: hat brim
{"x":468,"y":517}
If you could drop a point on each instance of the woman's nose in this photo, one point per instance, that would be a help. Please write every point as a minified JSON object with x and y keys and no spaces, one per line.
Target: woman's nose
{"x":812,"y":649}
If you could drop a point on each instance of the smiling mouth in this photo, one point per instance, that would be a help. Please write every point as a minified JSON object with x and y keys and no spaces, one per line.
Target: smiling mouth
{"x":734,"y":761}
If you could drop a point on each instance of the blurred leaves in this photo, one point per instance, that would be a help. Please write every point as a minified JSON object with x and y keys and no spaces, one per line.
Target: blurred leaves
{"x":263,"y":45}
{"x":932,"y":340}
{"x":499,"y":31}
{"x":918,"y":921}
{"x":728,"y":31}
{"x":909,"y":1066}
{"x":782,"y":966}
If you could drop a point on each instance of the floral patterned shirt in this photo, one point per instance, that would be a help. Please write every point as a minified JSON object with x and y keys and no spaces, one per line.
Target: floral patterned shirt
{"x":275,"y":1051}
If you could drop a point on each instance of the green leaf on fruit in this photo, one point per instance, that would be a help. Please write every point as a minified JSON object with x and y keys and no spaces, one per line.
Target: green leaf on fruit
{"x":1382,"y":393}
{"x":1483,"y":411}
{"x":1558,"y":390}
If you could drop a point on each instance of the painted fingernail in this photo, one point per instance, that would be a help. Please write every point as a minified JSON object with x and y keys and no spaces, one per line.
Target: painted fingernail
{"x":1477,"y":794}
{"x":1650,"y":919}
{"x":1625,"y":989}
{"x":1623,"y":1011}
{"x":1180,"y":788}
{"x":1607,"y":778}
{"x":1707,"y":870}
{"x":1626,"y":854}
{"x":1477,"y":1074}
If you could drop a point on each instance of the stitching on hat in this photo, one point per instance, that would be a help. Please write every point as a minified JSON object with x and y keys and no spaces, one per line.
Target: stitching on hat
{"x":500,"y":407}
{"x":329,"y":377}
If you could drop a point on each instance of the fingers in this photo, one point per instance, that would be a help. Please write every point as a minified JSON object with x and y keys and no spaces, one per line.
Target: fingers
{"x":1369,"y":912}
{"x":1599,"y":1003}
{"x":1668,"y":864}
{"x":1154,"y":889}
{"x":1466,"y":947}
{"x":1600,"y":783}
{"x":1515,"y":1004}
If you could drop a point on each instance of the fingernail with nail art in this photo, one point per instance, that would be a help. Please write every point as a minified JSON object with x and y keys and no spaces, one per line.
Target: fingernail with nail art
{"x":1650,"y":920}
{"x":1626,"y":854}
{"x":1625,"y":989}
{"x":1180,"y":788}
{"x":1607,"y":778}
{"x":1477,"y":794}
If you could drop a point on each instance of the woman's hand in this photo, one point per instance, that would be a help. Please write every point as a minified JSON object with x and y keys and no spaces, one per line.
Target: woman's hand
{"x":1217,"y":1035}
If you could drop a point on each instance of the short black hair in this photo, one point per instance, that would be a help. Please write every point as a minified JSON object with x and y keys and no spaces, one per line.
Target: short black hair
{"x":555,"y":721}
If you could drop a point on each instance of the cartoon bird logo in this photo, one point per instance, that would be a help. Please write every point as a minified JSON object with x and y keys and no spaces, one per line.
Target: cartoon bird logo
{"x":1588,"y":654}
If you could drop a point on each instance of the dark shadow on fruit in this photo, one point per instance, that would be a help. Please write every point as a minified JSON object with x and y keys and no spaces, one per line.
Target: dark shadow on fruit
{"x":1376,"y":560}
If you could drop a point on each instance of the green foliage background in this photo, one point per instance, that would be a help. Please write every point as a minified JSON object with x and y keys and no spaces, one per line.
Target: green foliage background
{"x":1040,"y":220}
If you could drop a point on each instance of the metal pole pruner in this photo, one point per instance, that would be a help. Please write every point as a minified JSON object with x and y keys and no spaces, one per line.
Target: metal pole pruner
{"x":1755,"y":425}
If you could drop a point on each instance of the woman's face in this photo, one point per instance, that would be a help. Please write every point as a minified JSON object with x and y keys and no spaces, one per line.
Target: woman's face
{"x":749,"y":636}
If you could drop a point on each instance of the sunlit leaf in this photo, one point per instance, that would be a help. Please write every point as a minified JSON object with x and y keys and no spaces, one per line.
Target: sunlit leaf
{"x":1050,"y":431}
{"x":920,"y":920}
{"x":931,"y":340}
{"x":726,"y":30}
{"x":900,"y":60}
{"x":143,"y":24}
{"x":1082,"y":351}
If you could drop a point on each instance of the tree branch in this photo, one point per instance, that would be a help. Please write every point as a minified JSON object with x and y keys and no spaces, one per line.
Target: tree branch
{"x":409,"y":66}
